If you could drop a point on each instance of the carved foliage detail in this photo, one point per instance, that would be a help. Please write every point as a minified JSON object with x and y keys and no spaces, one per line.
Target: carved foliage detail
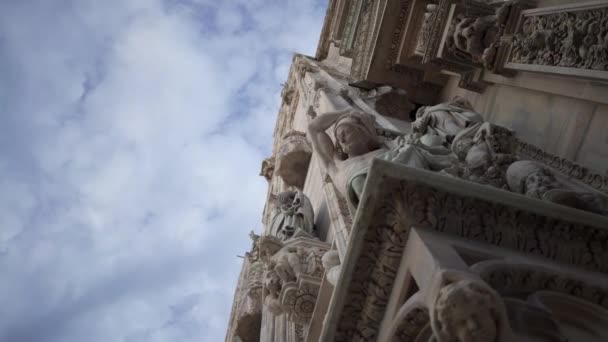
{"x":412,"y":325}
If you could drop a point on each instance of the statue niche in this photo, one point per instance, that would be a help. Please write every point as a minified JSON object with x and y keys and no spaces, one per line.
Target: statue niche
{"x":295,"y":217}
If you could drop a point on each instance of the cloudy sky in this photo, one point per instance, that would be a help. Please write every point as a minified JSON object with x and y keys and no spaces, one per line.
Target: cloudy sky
{"x":131,"y":139}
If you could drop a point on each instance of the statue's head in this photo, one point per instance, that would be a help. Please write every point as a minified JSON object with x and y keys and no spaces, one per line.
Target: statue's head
{"x":467,"y":311}
{"x":355,"y":134}
{"x":272,"y":282}
{"x":529,"y":178}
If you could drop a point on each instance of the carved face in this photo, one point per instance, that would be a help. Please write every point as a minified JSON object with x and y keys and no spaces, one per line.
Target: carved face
{"x":466,"y":312}
{"x":353,"y":139}
{"x":474,"y":324}
{"x":538,"y":183}
{"x":272,"y":282}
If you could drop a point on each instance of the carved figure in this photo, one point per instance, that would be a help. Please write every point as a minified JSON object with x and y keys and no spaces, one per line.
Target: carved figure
{"x":446,"y":120}
{"x":295,"y":217}
{"x":533,"y":180}
{"x":484,"y":150}
{"x":357,"y":144}
{"x":469,"y":311}
{"x":425,"y":28}
{"x":576,"y":39}
{"x":477,"y":38}
{"x":272,"y":285}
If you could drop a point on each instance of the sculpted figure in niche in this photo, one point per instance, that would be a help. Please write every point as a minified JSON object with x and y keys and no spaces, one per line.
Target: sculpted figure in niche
{"x":469,"y":311}
{"x":356,"y":144}
{"x":533,"y":180}
{"x":295,"y":217}
{"x":477,"y":37}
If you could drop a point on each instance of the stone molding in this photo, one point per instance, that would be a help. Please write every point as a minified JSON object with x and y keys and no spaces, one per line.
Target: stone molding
{"x":509,"y":278}
{"x":397,"y":197}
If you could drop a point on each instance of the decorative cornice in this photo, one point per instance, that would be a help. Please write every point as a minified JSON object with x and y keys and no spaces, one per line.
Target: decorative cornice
{"x":397,"y":198}
{"x":509,"y":278}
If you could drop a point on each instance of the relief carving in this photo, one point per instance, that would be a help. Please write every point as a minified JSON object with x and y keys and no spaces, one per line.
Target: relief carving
{"x":292,"y":275}
{"x":476,"y":39}
{"x":424,"y":35}
{"x":536,"y":181}
{"x":574,"y":39}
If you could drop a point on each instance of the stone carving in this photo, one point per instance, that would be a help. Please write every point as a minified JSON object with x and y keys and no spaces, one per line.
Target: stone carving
{"x":483,"y":150}
{"x":292,"y":159}
{"x":332,"y":266}
{"x":565,"y":166}
{"x":295,"y":217}
{"x":425,"y":29}
{"x":476,"y":39}
{"x":417,"y":199}
{"x":511,"y":279}
{"x":292,"y":276}
{"x":356,"y":144}
{"x":267,"y":168}
{"x":390,"y":101}
{"x":536,"y":181}
{"x":574,"y":39}
{"x":469,"y":311}
{"x":414,"y":326}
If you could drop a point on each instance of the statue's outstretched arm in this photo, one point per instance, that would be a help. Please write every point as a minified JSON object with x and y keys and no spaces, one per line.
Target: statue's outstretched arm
{"x":321,"y":142}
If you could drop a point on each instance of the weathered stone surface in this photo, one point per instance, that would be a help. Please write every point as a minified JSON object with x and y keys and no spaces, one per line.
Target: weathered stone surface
{"x":292,"y":159}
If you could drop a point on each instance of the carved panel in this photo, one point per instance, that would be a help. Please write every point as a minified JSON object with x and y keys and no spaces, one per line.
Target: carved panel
{"x":569,"y":40}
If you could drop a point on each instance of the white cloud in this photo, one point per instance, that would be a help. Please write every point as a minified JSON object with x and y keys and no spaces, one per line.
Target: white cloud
{"x":132,"y":136}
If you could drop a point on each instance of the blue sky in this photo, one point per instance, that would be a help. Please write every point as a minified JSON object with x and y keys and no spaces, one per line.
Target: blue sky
{"x":131,"y":141}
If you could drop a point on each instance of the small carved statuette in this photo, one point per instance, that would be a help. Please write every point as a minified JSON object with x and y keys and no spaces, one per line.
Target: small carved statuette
{"x":295,"y":217}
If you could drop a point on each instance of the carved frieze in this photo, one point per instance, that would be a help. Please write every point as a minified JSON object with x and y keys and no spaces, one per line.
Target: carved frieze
{"x":570,"y":40}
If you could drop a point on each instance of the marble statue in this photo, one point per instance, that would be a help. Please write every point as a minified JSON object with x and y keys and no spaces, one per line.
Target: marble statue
{"x":468,"y":310}
{"x":357,"y":144}
{"x":536,"y":181}
{"x":295,"y":217}
{"x":483,"y":150}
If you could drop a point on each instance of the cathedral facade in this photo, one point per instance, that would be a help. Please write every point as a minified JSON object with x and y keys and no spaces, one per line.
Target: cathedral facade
{"x":439,"y":173}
